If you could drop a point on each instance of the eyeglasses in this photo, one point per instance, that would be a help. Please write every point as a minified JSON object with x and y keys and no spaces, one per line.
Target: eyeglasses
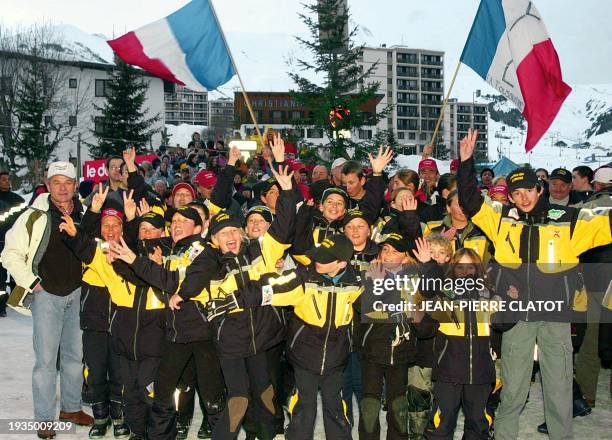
{"x":115,"y":168}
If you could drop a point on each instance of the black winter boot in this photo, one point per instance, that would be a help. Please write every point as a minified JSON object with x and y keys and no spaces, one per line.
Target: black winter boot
{"x":120,"y":428}
{"x":101,"y":420}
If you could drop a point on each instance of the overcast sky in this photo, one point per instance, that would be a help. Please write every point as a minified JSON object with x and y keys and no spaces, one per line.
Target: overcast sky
{"x":580,"y":29}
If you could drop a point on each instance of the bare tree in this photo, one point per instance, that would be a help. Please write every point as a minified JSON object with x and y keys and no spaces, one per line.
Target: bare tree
{"x":36,"y":103}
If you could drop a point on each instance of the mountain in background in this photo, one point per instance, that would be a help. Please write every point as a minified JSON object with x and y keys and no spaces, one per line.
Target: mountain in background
{"x":584,"y":124}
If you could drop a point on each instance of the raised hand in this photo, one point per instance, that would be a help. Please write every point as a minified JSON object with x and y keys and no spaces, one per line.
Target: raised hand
{"x":156,"y":255}
{"x":98,"y":199}
{"x":144,"y":207}
{"x":427,"y":151}
{"x":409,"y":203}
{"x":234,"y":156}
{"x":284,"y":177}
{"x":467,"y":145}
{"x":129,"y":157}
{"x":422,"y":251}
{"x":375,"y":271}
{"x":68,"y":226}
{"x":129,"y":205}
{"x":379,"y":162}
{"x":278,"y":148}
{"x":121,"y":251}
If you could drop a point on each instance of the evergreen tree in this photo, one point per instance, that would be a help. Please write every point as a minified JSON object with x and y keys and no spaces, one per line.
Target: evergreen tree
{"x":334,"y":105}
{"x":124,"y":119}
{"x":37,"y":138}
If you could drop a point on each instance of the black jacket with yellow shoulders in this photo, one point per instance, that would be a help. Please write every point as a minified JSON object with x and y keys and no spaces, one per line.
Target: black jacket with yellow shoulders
{"x":537,"y":251}
{"x":137,"y":323}
{"x":471,"y":237}
{"x":318,"y":331}
{"x":244,"y":333}
{"x":187,"y":324}
{"x":462,"y":346}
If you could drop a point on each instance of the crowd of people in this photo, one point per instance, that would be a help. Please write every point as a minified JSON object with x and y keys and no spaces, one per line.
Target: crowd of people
{"x":252,"y":284}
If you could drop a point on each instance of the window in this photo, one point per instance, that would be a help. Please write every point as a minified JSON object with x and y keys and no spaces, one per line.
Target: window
{"x":99,"y":124}
{"x":400,"y":135}
{"x":365,"y":134}
{"x":314,"y":133}
{"x":296,"y":115}
{"x":72,"y":83}
{"x":72,"y":121}
{"x":277,"y":116}
{"x":102,"y":88}
{"x":423,"y":136}
{"x":412,"y":136}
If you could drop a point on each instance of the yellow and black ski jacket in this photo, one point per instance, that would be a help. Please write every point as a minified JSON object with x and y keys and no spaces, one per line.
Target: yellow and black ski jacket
{"x":187,"y":324}
{"x":137,"y":323}
{"x":462,"y":346}
{"x":244,"y":333}
{"x":471,"y":237}
{"x":318,"y":331}
{"x":538,"y":252}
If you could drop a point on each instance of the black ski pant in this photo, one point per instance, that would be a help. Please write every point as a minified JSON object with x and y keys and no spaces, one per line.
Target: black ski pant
{"x":395,"y":379}
{"x":248,"y":389}
{"x":304,"y":411}
{"x":101,"y":369}
{"x":188,"y":386}
{"x":138,"y":390}
{"x":175,"y":357}
{"x":448,"y":399}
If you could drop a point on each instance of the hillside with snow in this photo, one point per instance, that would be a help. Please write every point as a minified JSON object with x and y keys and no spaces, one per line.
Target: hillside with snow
{"x":580,"y":135}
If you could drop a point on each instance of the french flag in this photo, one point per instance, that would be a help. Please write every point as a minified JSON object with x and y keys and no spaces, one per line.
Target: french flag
{"x":187,"y":47}
{"x":509,"y":47}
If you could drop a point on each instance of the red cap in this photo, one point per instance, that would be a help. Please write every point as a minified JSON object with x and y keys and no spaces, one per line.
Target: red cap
{"x":428,"y":163}
{"x":183,"y":185}
{"x":206,"y":178}
{"x":454,"y":165}
{"x":498,"y":189}
{"x":110,"y":212}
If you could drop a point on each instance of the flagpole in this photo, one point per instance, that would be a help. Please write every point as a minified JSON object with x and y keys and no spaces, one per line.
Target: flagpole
{"x":435,"y":134}
{"x":244,"y":94}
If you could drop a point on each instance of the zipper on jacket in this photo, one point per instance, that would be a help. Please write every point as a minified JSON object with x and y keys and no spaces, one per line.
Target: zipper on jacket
{"x":137,"y":322}
{"x":250,"y":309}
{"x":110,"y":325}
{"x":443,"y":350}
{"x":280,"y":320}
{"x":392,"y":349}
{"x":85,"y":300}
{"x":510,"y":243}
{"x":528,"y":271}
{"x":296,"y":335}
{"x":219,"y":329}
{"x":471,"y":348}
{"x":365,"y":336}
{"x":314,"y":302}
{"x":328,"y":329}
{"x":567,"y":291}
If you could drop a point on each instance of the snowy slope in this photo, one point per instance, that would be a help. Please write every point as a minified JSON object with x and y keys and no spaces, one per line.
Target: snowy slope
{"x":576,"y":116}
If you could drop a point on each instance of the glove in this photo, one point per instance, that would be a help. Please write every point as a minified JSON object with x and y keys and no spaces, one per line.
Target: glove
{"x":220,"y":306}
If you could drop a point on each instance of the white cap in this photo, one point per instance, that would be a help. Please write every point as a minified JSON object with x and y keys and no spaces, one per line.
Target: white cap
{"x":61,"y":169}
{"x":603,"y":175}
{"x":338,"y":162}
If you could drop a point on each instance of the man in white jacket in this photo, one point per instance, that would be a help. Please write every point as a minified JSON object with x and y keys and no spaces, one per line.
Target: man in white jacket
{"x":50,"y":275}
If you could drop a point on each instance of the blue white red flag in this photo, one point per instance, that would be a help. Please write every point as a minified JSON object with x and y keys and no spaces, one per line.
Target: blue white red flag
{"x":187,"y":47}
{"x":509,"y":47}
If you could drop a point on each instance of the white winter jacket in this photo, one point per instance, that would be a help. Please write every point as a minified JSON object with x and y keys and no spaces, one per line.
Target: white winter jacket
{"x":22,"y":254}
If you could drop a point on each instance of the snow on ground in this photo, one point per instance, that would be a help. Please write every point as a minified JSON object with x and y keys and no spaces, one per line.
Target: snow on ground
{"x":16,"y":393}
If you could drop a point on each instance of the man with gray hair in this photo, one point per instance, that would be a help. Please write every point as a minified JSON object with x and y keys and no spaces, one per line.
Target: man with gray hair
{"x":48,"y":276}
